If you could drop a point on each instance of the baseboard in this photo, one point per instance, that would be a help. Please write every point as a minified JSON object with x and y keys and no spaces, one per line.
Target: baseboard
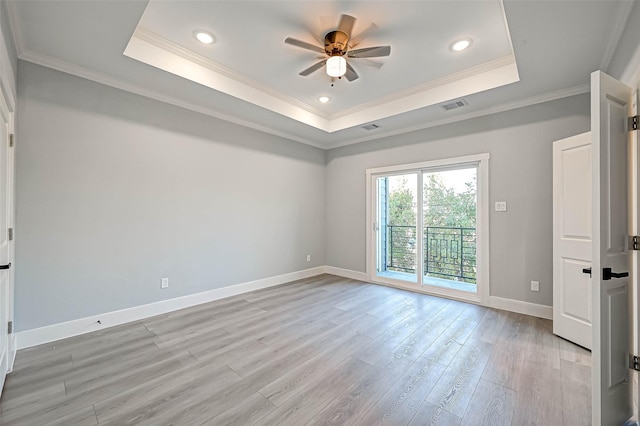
{"x":520,"y":307}
{"x":13,"y":350}
{"x":38,"y":336}
{"x":346,"y":273}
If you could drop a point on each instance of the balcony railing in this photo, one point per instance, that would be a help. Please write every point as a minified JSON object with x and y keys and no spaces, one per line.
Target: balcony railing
{"x":449,"y":253}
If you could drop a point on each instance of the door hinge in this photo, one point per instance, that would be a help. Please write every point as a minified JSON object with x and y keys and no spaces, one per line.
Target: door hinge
{"x":11,"y":140}
{"x":634,"y":242}
{"x":633,"y":123}
{"x":10,"y":327}
{"x":10,"y":234}
{"x":634,"y":362}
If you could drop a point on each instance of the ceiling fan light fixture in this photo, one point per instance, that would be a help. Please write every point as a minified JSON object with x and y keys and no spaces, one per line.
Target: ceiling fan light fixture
{"x":336,"y":66}
{"x":324,"y":99}
{"x":460,"y":45}
{"x":204,"y":37}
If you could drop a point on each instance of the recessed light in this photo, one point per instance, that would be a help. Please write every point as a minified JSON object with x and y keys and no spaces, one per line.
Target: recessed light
{"x":324,"y":99}
{"x":204,"y":37}
{"x":460,"y":45}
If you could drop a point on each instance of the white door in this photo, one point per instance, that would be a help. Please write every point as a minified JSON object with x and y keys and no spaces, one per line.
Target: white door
{"x":611,"y":391}
{"x":572,"y":227}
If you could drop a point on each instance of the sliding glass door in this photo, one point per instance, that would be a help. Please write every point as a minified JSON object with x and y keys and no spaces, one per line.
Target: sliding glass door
{"x":426,"y":224}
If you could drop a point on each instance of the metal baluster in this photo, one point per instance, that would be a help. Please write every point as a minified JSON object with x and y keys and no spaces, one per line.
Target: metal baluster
{"x":461,"y":254}
{"x":391,"y":243}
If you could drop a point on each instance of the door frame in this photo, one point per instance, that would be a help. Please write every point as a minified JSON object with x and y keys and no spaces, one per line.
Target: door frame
{"x":482,"y":225}
{"x":8,"y":103}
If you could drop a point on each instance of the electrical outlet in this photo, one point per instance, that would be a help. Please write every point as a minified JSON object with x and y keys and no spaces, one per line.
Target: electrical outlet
{"x":535,"y":285}
{"x":501,"y":206}
{"x":308,"y":258}
{"x":164,"y":283}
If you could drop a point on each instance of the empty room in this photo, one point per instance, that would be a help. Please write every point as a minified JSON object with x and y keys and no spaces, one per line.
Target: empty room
{"x":258,"y":212}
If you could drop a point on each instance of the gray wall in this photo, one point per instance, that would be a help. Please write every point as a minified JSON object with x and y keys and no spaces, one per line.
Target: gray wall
{"x":519,"y":142}
{"x":8,"y":37}
{"x":628,"y":45}
{"x":116,"y":191}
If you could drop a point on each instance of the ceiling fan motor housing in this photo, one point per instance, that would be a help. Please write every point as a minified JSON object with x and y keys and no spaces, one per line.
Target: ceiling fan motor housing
{"x":336,"y":43}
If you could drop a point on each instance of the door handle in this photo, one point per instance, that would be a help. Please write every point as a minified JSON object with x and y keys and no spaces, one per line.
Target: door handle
{"x":7,"y":266}
{"x":586,"y":271}
{"x":607,"y":274}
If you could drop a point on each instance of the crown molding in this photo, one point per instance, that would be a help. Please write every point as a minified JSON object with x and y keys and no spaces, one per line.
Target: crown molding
{"x":78,"y":71}
{"x":533,"y":100}
{"x":424,"y":88}
{"x":162,"y":43}
{"x":478,"y":79}
{"x":87,"y":74}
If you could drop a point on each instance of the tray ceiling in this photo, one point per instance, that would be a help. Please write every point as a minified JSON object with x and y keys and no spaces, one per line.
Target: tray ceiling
{"x":523,"y":52}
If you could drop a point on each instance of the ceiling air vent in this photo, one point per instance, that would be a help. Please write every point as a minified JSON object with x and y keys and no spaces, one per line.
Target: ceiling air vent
{"x":453,"y":105}
{"x":371,"y":126}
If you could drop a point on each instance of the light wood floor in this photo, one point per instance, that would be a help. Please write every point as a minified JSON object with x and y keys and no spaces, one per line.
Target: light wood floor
{"x":325,"y":350}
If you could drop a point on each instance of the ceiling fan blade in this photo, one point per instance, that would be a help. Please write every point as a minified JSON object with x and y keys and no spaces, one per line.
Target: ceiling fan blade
{"x":351,"y":74}
{"x":370,"y":52}
{"x":313,"y":68}
{"x":304,"y":45}
{"x":346,"y":24}
{"x":357,"y":39}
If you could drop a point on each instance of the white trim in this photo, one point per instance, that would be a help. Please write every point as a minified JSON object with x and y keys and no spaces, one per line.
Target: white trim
{"x":430,"y":164}
{"x":533,"y":100}
{"x":495,"y":302}
{"x":346,"y":273}
{"x":520,"y":307}
{"x":78,"y":71}
{"x":481,"y":160}
{"x":12,"y":354}
{"x":38,"y":336}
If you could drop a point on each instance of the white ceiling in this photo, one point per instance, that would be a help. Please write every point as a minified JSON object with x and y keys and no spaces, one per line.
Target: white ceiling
{"x":523,"y":52}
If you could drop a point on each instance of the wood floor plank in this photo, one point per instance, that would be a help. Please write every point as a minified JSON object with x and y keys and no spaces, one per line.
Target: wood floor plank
{"x":539,"y":397}
{"x":429,"y":414}
{"x":140,"y":401}
{"x":490,"y":326}
{"x":197,"y":407}
{"x":301,"y":407}
{"x":543,"y":346}
{"x":576,"y":394}
{"x":491,"y":405}
{"x":377,"y":349}
{"x":506,"y":363}
{"x":574,"y":353}
{"x":290,"y":383}
{"x":359,"y":398}
{"x":249,"y":411}
{"x":400,"y":404}
{"x":455,"y":388}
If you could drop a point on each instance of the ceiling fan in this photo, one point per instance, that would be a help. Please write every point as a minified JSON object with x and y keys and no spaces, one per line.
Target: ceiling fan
{"x":338,"y":46}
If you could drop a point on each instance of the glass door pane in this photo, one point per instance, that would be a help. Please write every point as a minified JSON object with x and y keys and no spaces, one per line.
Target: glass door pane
{"x":397,"y":243}
{"x":449,"y":235}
